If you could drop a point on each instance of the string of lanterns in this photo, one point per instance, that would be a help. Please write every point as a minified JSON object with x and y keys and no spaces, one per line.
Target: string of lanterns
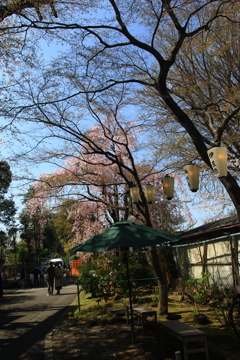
{"x":218,"y":158}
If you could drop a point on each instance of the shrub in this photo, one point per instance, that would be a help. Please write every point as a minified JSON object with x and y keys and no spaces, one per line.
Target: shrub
{"x":102,"y":272}
{"x":200,"y":289}
{"x":214,"y":295}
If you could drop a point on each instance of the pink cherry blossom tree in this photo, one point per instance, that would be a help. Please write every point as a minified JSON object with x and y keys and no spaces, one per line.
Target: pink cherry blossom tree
{"x":98,"y":178}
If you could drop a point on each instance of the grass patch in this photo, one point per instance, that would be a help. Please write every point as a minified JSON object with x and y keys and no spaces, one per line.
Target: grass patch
{"x":93,"y":308}
{"x":218,"y":336}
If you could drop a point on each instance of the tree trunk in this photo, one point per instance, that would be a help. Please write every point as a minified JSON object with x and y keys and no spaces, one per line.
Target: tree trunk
{"x":153,"y":261}
{"x":233,"y":190}
{"x":234,"y":260}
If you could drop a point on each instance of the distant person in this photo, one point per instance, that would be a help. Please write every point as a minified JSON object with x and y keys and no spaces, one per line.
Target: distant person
{"x":58,"y":278}
{"x":62,"y":272}
{"x":1,"y":287}
{"x":50,"y":271}
{"x":23,"y":277}
{"x":35,"y":276}
{"x":41,"y":272}
{"x":68,"y":274}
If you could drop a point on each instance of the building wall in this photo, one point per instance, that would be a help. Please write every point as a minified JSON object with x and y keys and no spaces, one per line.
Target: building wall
{"x":214,"y":257}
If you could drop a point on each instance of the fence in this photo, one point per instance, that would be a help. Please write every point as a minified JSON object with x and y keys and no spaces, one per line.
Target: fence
{"x":218,"y":257}
{"x":75,"y":265}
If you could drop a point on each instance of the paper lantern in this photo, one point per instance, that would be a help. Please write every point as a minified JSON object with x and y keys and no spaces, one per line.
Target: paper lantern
{"x":218,"y":159}
{"x":134,"y":191}
{"x":192,"y":176}
{"x":168,"y":186}
{"x":149,"y":193}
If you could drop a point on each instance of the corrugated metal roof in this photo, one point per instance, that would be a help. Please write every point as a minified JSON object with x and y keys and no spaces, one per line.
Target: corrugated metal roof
{"x":225,"y":222}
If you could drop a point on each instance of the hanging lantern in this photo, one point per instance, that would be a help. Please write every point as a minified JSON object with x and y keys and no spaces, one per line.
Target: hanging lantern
{"x":218,"y":159}
{"x":149,"y":193}
{"x":134,"y":191}
{"x":168,"y":186}
{"x":192,"y":176}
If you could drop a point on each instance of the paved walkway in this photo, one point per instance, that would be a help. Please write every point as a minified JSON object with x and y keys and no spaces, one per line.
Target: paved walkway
{"x":26,"y":317}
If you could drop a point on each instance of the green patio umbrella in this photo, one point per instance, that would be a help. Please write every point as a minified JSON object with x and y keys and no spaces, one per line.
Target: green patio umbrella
{"x":125,"y":234}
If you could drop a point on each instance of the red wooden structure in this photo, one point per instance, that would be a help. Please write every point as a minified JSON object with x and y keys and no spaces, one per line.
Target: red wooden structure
{"x":75,"y":266}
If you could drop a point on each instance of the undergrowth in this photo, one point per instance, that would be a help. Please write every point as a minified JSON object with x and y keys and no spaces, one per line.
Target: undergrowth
{"x":218,"y":336}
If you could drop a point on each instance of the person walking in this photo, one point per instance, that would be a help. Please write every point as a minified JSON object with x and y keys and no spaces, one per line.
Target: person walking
{"x":35,"y":276}
{"x":23,"y":277}
{"x":41,"y":272}
{"x":50,"y":271}
{"x":68,"y":273}
{"x":62,"y":272}
{"x":58,"y":278}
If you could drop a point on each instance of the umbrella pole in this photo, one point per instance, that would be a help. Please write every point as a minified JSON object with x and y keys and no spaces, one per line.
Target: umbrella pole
{"x":130,"y":300}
